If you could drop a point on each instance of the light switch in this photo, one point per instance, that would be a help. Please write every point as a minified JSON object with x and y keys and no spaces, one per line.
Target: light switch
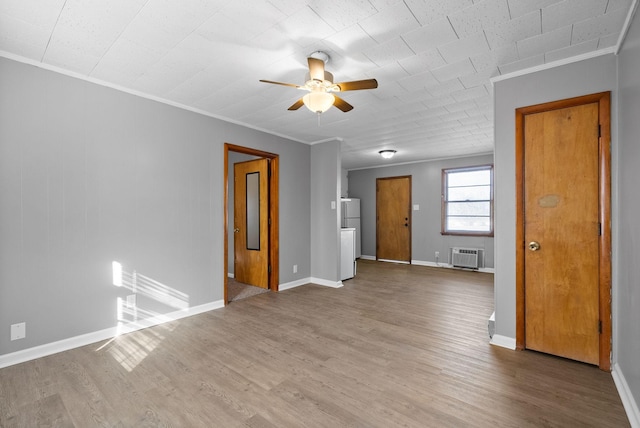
{"x":416,"y":207}
{"x":333,"y":205}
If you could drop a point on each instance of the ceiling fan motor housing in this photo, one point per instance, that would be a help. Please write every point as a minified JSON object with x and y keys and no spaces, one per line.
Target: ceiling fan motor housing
{"x":328,"y":77}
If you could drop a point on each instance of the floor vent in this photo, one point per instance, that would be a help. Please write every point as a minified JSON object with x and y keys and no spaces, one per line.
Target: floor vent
{"x":472,"y":258}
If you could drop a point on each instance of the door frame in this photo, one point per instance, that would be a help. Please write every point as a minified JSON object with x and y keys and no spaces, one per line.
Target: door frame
{"x":604,"y":164}
{"x":410,"y":217}
{"x":274,"y":204}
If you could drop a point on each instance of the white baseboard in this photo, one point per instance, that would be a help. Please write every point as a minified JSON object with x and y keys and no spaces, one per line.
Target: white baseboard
{"x":430,"y":264}
{"x":325,"y":282}
{"x":310,"y":280}
{"x":293,"y":284}
{"x":628,"y":401}
{"x":402,"y":262}
{"x":503,"y":341}
{"x":448,"y":266}
{"x":97,"y":336}
{"x":491,"y":325}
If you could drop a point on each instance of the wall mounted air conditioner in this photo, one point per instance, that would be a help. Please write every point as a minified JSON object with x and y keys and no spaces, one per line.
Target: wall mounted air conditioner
{"x":471,"y":258}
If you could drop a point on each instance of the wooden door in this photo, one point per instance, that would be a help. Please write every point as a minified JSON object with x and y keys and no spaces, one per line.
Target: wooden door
{"x":251,"y":222}
{"x":563,"y":231}
{"x":393,"y":214}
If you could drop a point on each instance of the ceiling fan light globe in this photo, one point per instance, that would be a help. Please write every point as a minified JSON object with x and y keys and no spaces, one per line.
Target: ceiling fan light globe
{"x":318,"y":102}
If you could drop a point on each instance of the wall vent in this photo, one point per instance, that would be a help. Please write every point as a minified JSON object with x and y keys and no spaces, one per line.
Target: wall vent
{"x":472,"y":258}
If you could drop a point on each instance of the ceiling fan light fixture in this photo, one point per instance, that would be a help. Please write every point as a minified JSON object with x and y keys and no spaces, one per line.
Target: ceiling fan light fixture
{"x":387,"y":154}
{"x":319,"y":84}
{"x":318,"y":102}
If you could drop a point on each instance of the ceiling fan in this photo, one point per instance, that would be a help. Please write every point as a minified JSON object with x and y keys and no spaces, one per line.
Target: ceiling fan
{"x":319,"y":84}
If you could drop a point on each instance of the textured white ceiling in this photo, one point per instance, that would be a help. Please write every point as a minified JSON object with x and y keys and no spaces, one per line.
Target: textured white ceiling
{"x":433,"y":59}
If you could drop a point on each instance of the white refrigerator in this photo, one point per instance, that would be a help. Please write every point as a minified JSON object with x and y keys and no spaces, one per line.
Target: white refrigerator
{"x":351,"y":218}
{"x":347,"y":253}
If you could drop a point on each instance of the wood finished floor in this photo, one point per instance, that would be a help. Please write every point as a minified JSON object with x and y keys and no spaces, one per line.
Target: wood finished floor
{"x":398,"y":346}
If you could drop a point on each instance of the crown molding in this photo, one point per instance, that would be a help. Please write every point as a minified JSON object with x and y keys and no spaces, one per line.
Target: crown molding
{"x":554,"y":64}
{"x":626,"y":26}
{"x":140,"y":94}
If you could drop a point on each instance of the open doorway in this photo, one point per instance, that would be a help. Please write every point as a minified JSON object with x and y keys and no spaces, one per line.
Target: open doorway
{"x":272,"y":202}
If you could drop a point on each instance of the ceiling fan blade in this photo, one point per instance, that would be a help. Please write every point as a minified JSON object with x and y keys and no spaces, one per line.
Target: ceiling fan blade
{"x":316,"y":69}
{"x":342,"y":104}
{"x":296,"y":105}
{"x":280,"y":83}
{"x":357,"y":85}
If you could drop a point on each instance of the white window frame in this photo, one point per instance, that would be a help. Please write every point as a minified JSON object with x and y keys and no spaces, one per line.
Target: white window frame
{"x":445,"y":202}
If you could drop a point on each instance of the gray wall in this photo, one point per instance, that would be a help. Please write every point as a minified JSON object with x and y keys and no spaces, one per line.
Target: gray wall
{"x":627,"y":271}
{"x":90,"y":175}
{"x":426,"y":187}
{"x":325,"y":218}
{"x":581,"y":78}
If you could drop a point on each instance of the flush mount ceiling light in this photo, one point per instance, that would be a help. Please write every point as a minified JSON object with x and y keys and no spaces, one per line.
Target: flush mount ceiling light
{"x":387,"y":154}
{"x":319,"y":84}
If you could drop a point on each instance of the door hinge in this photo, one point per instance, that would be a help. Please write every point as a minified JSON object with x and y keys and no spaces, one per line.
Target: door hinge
{"x":600,"y":326}
{"x":599,"y":229}
{"x":269,"y":269}
{"x":599,"y":131}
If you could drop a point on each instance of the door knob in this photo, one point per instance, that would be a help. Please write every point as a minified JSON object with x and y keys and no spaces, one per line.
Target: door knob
{"x":534,"y":246}
{"x":236,"y":230}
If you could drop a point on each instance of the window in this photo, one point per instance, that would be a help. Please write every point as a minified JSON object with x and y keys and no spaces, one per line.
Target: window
{"x":467,"y":201}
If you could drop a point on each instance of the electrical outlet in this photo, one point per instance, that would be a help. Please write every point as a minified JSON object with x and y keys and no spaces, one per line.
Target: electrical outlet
{"x":18,"y":331}
{"x":437,"y":254}
{"x":295,"y":268}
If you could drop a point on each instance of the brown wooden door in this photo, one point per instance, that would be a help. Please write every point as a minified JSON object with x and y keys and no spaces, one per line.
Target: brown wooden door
{"x":561,"y":215}
{"x":251,"y":222}
{"x":393,"y":225}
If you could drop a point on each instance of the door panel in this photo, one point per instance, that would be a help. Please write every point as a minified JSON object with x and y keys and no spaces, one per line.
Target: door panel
{"x":251,"y":222}
{"x":561,"y":214}
{"x":393,"y":225}
{"x":355,"y":223}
